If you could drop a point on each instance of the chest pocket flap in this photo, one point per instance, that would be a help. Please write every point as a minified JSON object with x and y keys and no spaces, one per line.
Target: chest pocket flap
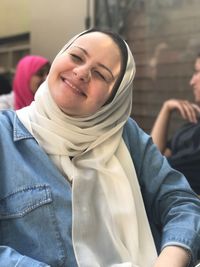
{"x":24,"y":200}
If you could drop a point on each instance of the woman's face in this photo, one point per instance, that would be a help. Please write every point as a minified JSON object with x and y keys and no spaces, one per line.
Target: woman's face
{"x":195,"y":81}
{"x":81,"y":79}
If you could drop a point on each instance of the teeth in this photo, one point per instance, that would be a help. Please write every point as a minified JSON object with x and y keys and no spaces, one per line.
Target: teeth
{"x":74,"y":87}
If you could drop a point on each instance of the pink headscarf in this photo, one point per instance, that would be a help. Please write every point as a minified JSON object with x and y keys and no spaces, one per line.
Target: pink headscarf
{"x":26,"y":68}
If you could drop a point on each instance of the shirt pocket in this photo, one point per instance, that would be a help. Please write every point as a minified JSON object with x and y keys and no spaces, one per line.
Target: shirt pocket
{"x":28,"y":224}
{"x":23,"y":201}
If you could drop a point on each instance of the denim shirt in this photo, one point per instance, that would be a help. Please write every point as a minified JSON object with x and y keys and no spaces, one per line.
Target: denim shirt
{"x":35,"y":199}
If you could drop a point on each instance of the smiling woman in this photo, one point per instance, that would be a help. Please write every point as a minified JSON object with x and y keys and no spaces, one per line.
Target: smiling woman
{"x":80,"y":69}
{"x":90,"y":187}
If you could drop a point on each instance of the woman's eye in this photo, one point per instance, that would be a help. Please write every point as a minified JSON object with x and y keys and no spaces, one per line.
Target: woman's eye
{"x":75,"y":57}
{"x":99,"y":74}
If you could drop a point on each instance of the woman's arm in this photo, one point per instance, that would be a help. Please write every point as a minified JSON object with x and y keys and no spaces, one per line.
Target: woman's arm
{"x":159,"y":133}
{"x":173,"y":209}
{"x":173,"y":256}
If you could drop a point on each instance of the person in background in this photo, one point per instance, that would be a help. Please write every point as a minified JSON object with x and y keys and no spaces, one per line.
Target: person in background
{"x":183,"y":151}
{"x":30,"y":72}
{"x":87,"y":187}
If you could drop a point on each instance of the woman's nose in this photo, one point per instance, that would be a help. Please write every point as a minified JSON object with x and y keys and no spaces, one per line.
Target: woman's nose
{"x":82,"y":73}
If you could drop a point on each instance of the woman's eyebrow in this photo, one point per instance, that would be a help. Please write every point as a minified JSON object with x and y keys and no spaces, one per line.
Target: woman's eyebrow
{"x":83,"y":50}
{"x":106,"y":68}
{"x":99,"y":64}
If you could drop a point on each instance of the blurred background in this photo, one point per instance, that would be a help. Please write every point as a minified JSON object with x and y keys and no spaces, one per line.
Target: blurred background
{"x":164,"y":36}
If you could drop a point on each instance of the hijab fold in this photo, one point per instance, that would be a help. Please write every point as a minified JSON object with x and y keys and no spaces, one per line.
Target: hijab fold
{"x":109,"y":224}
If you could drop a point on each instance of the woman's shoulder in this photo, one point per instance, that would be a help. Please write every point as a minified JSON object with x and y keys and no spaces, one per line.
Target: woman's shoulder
{"x":6,"y":118}
{"x":130,"y":126}
{"x":132,"y":133}
{"x":136,"y":141}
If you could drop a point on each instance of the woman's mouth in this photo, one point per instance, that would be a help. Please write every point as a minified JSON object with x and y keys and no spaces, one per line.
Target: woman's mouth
{"x":74,"y":88}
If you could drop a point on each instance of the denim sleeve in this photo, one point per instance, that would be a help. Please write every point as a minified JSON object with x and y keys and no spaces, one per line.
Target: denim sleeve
{"x":172,"y":207}
{"x":11,"y":258}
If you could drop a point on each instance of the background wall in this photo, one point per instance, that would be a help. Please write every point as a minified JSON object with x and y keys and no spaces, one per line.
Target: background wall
{"x":164,"y":36}
{"x":38,"y":27}
{"x":54,"y":22}
{"x":14,"y":17}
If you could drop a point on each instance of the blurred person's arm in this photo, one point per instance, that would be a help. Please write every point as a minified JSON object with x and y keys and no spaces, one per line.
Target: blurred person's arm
{"x":159,"y":133}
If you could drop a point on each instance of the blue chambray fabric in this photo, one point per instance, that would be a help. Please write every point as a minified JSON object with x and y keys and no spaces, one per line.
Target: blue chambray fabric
{"x":35,"y":199}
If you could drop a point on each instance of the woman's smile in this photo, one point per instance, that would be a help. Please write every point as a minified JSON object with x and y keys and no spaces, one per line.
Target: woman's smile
{"x":73,"y":87}
{"x":81,"y":79}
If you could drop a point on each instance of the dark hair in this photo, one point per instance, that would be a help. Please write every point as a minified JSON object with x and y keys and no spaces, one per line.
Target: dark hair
{"x":124,"y":56}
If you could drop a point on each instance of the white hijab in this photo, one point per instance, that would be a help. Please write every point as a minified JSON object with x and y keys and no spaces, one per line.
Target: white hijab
{"x":109,"y":224}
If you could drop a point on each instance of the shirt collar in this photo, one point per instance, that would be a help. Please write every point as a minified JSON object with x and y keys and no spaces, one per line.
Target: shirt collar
{"x":19,"y":130}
